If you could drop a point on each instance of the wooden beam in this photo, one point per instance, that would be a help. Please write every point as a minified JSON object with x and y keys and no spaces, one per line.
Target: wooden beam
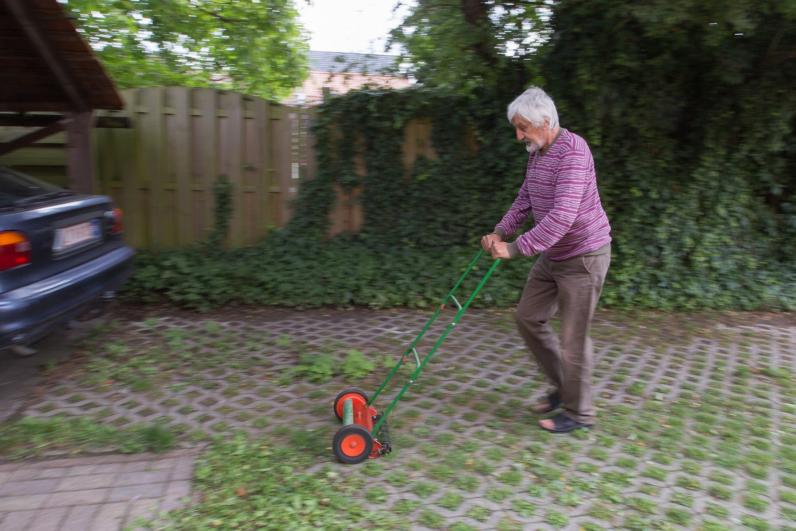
{"x":32,"y":105}
{"x":28,"y":120}
{"x":41,"y":120}
{"x":113,"y":122}
{"x":80,"y":162}
{"x":32,"y":137}
{"x":20,"y":9}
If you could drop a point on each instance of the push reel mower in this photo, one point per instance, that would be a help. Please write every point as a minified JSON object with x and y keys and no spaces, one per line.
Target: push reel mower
{"x":364,"y":431}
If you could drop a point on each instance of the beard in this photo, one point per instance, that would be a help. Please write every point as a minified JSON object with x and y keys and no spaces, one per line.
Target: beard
{"x":532,"y":147}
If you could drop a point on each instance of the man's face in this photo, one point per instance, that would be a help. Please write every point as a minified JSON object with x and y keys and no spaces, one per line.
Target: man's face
{"x":532,"y":137}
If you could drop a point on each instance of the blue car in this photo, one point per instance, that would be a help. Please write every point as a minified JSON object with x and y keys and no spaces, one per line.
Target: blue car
{"x":61,"y":253}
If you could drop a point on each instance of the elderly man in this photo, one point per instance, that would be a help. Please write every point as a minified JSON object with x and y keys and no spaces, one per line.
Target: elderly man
{"x":572,"y":237}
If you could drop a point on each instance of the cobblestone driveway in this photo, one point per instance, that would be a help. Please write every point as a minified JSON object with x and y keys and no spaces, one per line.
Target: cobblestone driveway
{"x":697,"y":423}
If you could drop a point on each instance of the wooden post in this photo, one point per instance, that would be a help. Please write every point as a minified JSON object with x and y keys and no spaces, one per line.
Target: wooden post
{"x":78,"y":147}
{"x":232,"y":144}
{"x":181,"y":162}
{"x":206,"y":159}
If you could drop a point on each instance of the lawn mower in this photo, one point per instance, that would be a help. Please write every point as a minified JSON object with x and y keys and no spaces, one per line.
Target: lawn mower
{"x":364,"y":431}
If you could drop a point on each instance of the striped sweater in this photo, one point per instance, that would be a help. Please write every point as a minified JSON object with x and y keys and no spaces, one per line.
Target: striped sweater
{"x":560,"y":190}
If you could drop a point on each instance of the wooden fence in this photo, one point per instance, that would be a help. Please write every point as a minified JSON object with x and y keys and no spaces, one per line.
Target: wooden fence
{"x":162,"y":170}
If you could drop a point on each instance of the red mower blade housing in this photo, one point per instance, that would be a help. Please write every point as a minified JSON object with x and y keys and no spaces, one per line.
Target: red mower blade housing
{"x":354,"y":441}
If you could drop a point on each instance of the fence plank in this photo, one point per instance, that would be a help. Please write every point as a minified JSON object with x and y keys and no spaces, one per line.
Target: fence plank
{"x":205,"y":156}
{"x":150,"y":174}
{"x":121,"y":156}
{"x":231,"y":152}
{"x":259,"y":157}
{"x":273,"y":209}
{"x":180,"y":156}
{"x":281,"y":141}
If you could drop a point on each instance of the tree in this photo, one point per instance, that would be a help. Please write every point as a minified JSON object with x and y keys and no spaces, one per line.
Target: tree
{"x":688,"y":107}
{"x":252,"y":46}
{"x":674,"y":93}
{"x":469,"y":45}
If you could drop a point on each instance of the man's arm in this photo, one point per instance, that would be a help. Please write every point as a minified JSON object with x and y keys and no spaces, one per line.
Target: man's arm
{"x":517,"y":214}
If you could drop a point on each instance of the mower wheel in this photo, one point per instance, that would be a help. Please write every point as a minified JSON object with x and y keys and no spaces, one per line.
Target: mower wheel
{"x":358,"y":395}
{"x":352,"y":444}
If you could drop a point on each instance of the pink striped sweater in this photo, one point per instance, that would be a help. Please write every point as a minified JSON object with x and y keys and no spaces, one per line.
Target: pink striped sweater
{"x":560,"y":190}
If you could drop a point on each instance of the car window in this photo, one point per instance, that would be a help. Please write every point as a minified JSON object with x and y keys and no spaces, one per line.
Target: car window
{"x":16,"y":187}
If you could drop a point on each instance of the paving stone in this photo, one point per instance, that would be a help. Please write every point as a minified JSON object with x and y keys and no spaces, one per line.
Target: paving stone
{"x":92,"y":481}
{"x":131,"y":492}
{"x":141,"y":510}
{"x":49,"y":519}
{"x":135,"y":466}
{"x":164,"y":464}
{"x":183,"y":468}
{"x":140,"y":478}
{"x":21,"y":503}
{"x":16,"y":520}
{"x":82,"y":469}
{"x":8,"y":467}
{"x":101,"y":469}
{"x":35,"y":486}
{"x":79,"y":518}
{"x":110,"y":516}
{"x":77,"y":497}
{"x":24,"y":474}
{"x":52,"y":473}
{"x":71,"y":462}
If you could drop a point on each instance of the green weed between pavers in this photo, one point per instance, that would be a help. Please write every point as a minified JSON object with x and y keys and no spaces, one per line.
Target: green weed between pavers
{"x":195,"y":352}
{"x":321,"y":367}
{"x":32,"y":437}
{"x":252,"y":485}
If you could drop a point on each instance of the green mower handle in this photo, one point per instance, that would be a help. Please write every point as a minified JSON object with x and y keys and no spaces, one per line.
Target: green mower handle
{"x":413,"y":351}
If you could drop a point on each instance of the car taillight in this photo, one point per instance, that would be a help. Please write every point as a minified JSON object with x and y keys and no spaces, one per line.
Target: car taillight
{"x":14,"y":250}
{"x":116,"y":221}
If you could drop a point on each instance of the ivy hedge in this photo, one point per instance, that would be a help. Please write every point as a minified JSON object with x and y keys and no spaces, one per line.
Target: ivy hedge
{"x":688,"y":234}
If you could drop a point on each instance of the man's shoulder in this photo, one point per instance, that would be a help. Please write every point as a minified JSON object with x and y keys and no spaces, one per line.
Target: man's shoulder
{"x":572,"y":142}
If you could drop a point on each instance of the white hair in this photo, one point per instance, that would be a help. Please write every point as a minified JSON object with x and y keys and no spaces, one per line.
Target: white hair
{"x":535,"y":106}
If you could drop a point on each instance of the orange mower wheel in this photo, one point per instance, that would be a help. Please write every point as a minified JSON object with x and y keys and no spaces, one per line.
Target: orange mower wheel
{"x":352,"y":444}
{"x":354,"y":393}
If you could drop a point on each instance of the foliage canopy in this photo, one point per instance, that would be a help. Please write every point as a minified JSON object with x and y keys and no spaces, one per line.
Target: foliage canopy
{"x":688,"y":107}
{"x":464,"y":46}
{"x":252,"y":47}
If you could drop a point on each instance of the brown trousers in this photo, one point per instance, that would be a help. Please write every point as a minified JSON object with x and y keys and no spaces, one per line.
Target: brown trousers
{"x":572,"y":286}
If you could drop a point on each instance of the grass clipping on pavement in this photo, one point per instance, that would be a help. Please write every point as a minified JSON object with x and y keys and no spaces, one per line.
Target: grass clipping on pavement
{"x":245,"y":484}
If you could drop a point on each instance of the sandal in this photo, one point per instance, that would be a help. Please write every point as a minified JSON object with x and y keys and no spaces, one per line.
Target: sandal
{"x":564,"y":424}
{"x":552,"y":403}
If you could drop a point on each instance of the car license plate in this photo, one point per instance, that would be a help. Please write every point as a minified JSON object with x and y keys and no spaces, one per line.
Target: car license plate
{"x":67,"y":238}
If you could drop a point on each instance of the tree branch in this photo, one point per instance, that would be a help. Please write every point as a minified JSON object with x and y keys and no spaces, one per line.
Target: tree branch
{"x":220,"y":17}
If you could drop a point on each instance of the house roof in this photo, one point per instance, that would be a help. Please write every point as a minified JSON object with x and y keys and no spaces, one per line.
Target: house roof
{"x":337,"y":62}
{"x":45,"y":65}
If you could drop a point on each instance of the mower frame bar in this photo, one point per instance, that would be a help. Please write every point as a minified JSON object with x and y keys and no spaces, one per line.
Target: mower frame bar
{"x":412,"y":347}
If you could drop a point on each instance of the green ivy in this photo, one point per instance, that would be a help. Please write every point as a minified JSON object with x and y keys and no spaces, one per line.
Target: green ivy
{"x":222,"y":210}
{"x":703,"y":236}
{"x":307,"y":274}
{"x":690,"y":114}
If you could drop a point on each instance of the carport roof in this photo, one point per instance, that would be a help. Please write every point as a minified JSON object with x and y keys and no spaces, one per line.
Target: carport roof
{"x":45,"y":65}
